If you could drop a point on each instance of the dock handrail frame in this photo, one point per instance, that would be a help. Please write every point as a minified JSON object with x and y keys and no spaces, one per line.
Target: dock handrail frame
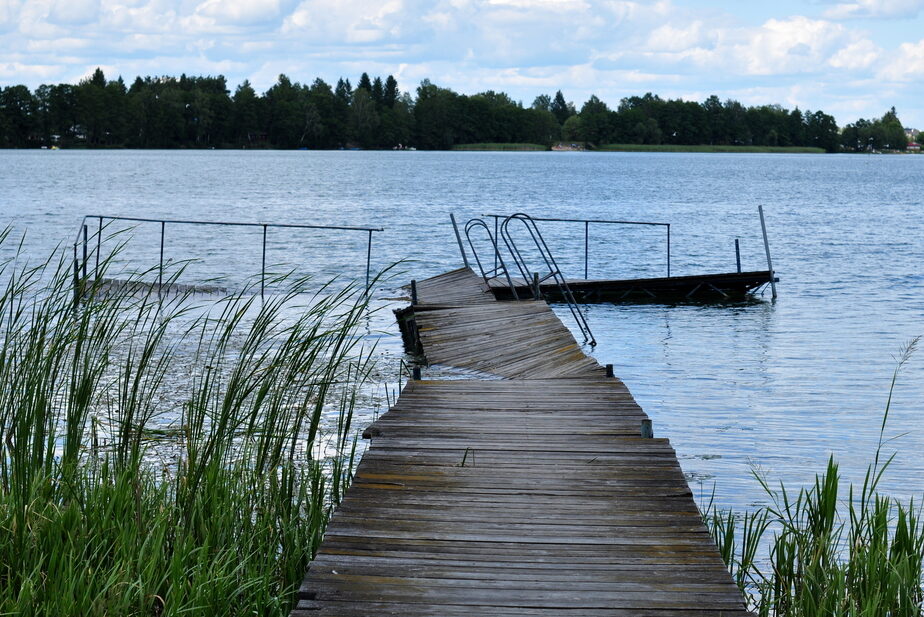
{"x":83,"y":238}
{"x":587,"y":222}
{"x":551,"y":264}
{"x":500,"y":266}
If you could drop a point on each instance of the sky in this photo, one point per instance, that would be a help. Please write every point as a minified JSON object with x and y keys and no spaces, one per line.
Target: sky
{"x":850,"y":59}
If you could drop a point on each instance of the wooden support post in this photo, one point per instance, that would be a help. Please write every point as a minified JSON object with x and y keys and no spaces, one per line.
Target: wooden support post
{"x":536,"y":293}
{"x":668,"y":250}
{"x":415,"y":373}
{"x":414,"y":293}
{"x":763,"y":227}
{"x":609,"y":370}
{"x":647,"y":431}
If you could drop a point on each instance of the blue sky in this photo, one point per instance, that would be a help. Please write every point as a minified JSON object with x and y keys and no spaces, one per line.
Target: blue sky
{"x":853,"y":58}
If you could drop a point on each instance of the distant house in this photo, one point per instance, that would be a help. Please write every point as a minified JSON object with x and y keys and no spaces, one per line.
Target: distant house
{"x":914,"y":147}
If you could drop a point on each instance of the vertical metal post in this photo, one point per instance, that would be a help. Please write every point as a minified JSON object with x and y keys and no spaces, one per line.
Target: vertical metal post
{"x":738,"y":255}
{"x":414,"y":293}
{"x":496,"y":229}
{"x":763,"y":227}
{"x":85,"y":252}
{"x":415,"y":373}
{"x":76,"y":279}
{"x":586,"y":245}
{"x":455,"y":228}
{"x":160,"y":274}
{"x":368,"y":262}
{"x":263,"y":267}
{"x":668,"y":250}
{"x":536,"y":293}
{"x":99,"y":247}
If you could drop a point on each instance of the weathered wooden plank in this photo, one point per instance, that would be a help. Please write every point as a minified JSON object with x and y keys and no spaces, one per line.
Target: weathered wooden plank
{"x":309,"y":608}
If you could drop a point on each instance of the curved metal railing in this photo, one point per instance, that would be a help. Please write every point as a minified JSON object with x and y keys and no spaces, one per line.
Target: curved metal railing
{"x":554,"y":272}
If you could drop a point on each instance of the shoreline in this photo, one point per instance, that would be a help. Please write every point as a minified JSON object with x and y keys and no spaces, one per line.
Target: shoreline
{"x":506,"y":147}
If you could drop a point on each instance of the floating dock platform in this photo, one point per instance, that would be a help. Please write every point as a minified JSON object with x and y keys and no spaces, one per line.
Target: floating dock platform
{"x":696,"y":288}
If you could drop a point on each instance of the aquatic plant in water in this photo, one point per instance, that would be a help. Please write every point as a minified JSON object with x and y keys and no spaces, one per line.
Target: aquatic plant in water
{"x":161,"y":457}
{"x":860,"y":558}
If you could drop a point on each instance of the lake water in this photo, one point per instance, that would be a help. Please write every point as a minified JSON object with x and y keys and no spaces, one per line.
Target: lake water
{"x":774,"y":385}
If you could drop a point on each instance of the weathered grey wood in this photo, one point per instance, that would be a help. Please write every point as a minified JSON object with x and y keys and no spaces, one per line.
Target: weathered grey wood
{"x":534,"y":494}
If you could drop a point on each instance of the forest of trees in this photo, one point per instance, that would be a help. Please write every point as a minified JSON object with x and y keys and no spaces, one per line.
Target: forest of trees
{"x":886,"y":133}
{"x":201,"y":112}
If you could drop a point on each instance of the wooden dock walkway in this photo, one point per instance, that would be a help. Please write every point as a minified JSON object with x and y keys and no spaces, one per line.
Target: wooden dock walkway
{"x":525,"y":496}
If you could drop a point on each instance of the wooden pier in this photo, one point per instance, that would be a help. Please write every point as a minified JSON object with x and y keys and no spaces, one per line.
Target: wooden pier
{"x":529,"y":492}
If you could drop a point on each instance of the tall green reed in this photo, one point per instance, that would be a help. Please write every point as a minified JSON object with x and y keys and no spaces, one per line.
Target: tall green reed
{"x":97,"y":517}
{"x":861,"y":557}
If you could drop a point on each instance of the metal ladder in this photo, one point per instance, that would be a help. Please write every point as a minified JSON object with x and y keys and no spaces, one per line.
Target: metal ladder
{"x":500,"y":268}
{"x":554,"y":272}
{"x":529,"y":279}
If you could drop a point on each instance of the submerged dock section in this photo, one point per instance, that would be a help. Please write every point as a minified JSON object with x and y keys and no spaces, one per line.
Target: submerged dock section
{"x":536,"y":490}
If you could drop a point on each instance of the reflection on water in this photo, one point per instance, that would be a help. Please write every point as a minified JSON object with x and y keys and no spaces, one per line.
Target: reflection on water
{"x":777,"y":385}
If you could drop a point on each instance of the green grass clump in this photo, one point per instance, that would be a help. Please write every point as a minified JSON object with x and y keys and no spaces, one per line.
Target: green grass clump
{"x":108,"y":509}
{"x":707,"y":148}
{"x":505,"y":147}
{"x":827,"y":558}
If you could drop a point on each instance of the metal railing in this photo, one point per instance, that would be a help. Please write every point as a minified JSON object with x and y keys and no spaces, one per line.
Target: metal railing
{"x":498,"y":218}
{"x":549,"y":262}
{"x":83,"y":238}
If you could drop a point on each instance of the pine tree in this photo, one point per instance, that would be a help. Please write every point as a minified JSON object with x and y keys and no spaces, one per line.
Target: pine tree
{"x":391,"y":92}
{"x":560,"y":108}
{"x":378,"y":91}
{"x":344,"y":91}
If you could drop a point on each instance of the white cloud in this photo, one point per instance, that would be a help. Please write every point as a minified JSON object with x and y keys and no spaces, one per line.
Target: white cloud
{"x":875,"y":8}
{"x":59,"y":46}
{"x":239,"y":12}
{"x":794,"y":45}
{"x":74,"y":12}
{"x":9,"y":14}
{"x":547,"y":5}
{"x":10,"y":71}
{"x":776,"y":49}
{"x":671,"y":39}
{"x":626,"y":10}
{"x":858,"y":55}
{"x":907,"y":64}
{"x":348,"y":21}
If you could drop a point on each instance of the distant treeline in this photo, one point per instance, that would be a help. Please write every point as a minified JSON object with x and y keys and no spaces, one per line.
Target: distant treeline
{"x":200,"y":112}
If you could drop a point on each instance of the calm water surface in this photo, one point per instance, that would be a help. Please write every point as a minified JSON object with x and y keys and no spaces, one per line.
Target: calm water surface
{"x":778,"y":386}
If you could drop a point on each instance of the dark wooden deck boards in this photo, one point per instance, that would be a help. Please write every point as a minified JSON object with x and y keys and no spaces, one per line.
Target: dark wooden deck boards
{"x":458,"y":287}
{"x":523,"y":497}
